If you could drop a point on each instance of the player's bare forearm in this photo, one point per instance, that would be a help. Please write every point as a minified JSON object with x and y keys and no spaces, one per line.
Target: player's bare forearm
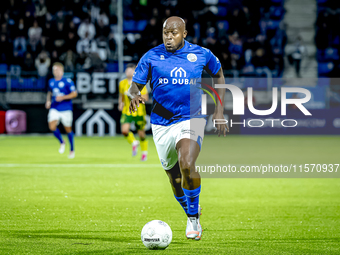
{"x":48,"y":97}
{"x":135,"y":89}
{"x":219,"y":79}
{"x":72,"y":95}
{"x":120,"y":102}
{"x":218,"y":114}
{"x":48,"y":100}
{"x":134,"y":94}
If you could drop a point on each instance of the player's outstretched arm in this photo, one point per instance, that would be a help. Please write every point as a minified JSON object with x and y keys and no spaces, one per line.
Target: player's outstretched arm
{"x":72,"y":95}
{"x":218,"y":114}
{"x":48,"y":100}
{"x":135,"y":96}
{"x":120,"y":102}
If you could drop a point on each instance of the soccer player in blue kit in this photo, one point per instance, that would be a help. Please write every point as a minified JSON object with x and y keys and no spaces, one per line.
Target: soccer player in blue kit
{"x":174,"y":70}
{"x":60,"y":93}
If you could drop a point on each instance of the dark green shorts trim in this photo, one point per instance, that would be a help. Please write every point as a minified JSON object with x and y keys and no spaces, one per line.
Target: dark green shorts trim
{"x":138,"y":120}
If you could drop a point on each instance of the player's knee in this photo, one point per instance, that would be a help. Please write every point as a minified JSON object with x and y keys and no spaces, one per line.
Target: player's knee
{"x":52,"y":127}
{"x":125,"y":133}
{"x":142,"y":138}
{"x":185,"y":165}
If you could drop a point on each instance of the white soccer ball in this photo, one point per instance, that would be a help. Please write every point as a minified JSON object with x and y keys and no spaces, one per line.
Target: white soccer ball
{"x":156,"y":235}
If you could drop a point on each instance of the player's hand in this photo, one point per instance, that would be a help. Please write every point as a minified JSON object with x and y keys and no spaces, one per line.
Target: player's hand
{"x":135,"y":103}
{"x":220,"y":128}
{"x":48,"y":105}
{"x":59,"y":98}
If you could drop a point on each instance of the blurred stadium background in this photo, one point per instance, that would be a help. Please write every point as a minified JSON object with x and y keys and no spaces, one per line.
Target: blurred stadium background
{"x":261,"y":44}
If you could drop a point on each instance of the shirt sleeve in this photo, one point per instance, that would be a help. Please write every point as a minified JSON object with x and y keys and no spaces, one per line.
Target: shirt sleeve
{"x":141,"y":74}
{"x":144,"y":91}
{"x":213,"y":64}
{"x":71,"y":85}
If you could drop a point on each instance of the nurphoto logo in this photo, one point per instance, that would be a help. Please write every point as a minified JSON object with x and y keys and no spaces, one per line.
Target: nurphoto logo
{"x":238,"y":105}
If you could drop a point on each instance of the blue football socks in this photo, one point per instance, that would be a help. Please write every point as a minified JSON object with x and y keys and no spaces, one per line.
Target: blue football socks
{"x":183,"y":202}
{"x":192,"y":201}
{"x":70,"y":138}
{"x":57,"y":134}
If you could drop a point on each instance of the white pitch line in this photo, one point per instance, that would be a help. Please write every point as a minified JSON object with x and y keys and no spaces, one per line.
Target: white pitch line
{"x":84,"y":165}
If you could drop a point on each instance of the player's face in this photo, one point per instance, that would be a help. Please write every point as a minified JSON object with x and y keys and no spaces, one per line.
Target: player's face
{"x":129,"y":72}
{"x":173,"y":38}
{"x":58,"y":72}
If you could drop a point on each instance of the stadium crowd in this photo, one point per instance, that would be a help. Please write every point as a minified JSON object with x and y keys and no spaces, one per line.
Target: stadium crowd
{"x":246,"y":35}
{"x":327,"y":38}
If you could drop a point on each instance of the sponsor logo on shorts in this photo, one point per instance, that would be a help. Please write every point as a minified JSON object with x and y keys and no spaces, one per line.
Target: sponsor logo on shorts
{"x":164,"y":163}
{"x":188,"y":131}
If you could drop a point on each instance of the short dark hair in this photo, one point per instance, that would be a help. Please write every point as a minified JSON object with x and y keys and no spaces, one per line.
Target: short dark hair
{"x":131,"y":65}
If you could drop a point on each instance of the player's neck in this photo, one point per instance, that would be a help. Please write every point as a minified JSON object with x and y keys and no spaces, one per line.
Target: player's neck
{"x":58,"y":78}
{"x":129,"y":80}
{"x":180,"y":47}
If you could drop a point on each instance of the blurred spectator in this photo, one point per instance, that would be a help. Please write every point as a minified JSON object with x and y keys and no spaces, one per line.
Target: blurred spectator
{"x":42,"y":63}
{"x":54,"y":56}
{"x":102,"y":28}
{"x":40,"y":11}
{"x":86,"y":28}
{"x":97,"y":65}
{"x":27,"y":9}
{"x":260,"y":59}
{"x":28,"y":65}
{"x":149,"y":38}
{"x":278,"y":62}
{"x":19,"y":49}
{"x":21,"y":28}
{"x":237,"y":21}
{"x":103,"y":18}
{"x":34,"y":35}
{"x":4,"y":29}
{"x":13,"y":11}
{"x":81,"y":62}
{"x":6,"y":49}
{"x":47,"y":30}
{"x":76,"y":7}
{"x":59,"y":37}
{"x":72,"y":27}
{"x":86,"y":45}
{"x":69,"y":59}
{"x":102,"y":48}
{"x":112,"y":44}
{"x":296,"y":56}
{"x":71,"y":41}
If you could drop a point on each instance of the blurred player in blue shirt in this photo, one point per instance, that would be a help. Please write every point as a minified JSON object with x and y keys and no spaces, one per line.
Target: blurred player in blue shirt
{"x":174,"y":70}
{"x":60,"y":93}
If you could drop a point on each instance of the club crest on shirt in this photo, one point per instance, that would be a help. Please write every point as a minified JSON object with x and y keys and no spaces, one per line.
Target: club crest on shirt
{"x":61,"y":84}
{"x":162,"y":57}
{"x":192,"y":57}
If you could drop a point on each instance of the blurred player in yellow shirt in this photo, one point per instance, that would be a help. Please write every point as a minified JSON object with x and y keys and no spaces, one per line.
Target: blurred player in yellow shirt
{"x":137,"y":117}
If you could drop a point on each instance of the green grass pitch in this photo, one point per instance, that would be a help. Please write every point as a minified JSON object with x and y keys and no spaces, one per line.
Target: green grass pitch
{"x":98,"y":202}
